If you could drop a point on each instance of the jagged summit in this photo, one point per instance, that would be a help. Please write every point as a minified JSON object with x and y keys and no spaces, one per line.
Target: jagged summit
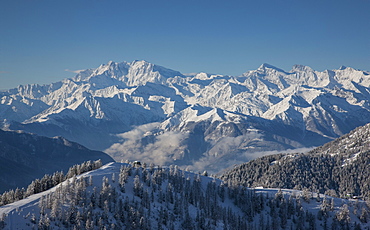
{"x":265,"y":67}
{"x":301,"y":68}
{"x":133,"y":73}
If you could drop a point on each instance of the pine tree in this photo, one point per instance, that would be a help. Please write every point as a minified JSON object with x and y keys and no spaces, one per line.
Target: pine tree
{"x":138,"y":187}
{"x":364,"y":216}
{"x":2,"y":221}
{"x":343,"y":214}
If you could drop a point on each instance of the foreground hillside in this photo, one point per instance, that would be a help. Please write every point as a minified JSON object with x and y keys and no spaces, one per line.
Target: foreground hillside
{"x":120,"y":196}
{"x":25,"y":157}
{"x":340,"y":168}
{"x":141,"y":111}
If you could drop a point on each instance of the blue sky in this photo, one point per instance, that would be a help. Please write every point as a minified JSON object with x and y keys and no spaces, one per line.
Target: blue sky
{"x":40,"y":40}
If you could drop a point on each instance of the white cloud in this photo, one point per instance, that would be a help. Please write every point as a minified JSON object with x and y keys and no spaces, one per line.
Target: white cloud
{"x":74,"y":71}
{"x":146,"y":143}
{"x":140,"y":144}
{"x":215,"y":164}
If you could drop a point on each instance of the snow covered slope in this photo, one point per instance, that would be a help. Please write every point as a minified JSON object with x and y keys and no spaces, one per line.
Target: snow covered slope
{"x":122,"y":196}
{"x":208,"y":118}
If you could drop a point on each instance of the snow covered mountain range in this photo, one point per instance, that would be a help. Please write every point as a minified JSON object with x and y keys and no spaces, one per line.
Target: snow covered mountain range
{"x":141,"y":111}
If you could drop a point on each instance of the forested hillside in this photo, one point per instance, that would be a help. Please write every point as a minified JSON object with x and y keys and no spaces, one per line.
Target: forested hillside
{"x":339,"y":168}
{"x":125,"y":196}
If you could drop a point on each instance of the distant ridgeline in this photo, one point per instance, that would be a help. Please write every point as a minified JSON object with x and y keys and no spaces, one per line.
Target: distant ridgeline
{"x":339,"y":168}
{"x":25,"y":157}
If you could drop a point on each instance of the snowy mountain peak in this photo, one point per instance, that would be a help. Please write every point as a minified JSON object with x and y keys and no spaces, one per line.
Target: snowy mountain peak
{"x":143,"y":66}
{"x":301,"y":68}
{"x":135,"y":73}
{"x":202,"y":76}
{"x":267,"y":67}
{"x":137,"y":64}
{"x":111,"y":70}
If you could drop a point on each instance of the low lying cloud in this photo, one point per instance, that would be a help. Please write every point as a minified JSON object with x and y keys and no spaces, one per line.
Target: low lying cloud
{"x":217,"y":165}
{"x":149,"y":144}
{"x":144,"y":144}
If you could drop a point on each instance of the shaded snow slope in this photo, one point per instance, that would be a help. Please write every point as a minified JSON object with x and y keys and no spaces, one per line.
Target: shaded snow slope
{"x":25,"y":157}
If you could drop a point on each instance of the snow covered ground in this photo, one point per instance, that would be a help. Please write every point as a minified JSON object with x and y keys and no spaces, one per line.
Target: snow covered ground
{"x":122,"y":196}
